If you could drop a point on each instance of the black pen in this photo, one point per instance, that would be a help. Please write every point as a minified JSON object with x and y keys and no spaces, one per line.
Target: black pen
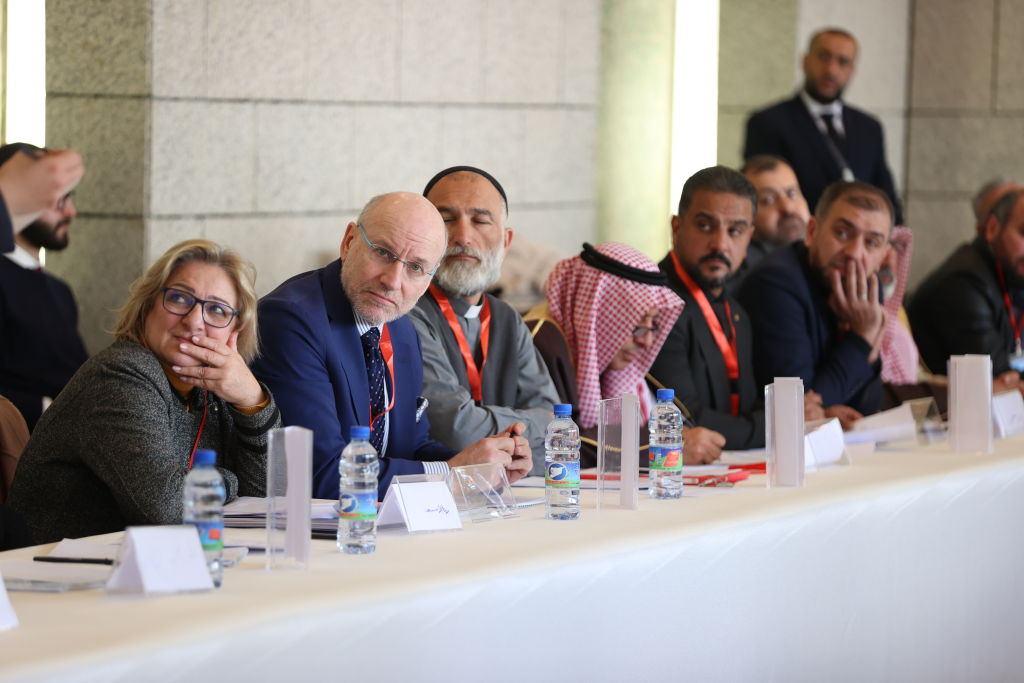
{"x":75,"y":560}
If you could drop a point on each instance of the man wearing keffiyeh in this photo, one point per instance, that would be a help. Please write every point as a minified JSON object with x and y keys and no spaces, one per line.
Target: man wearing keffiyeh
{"x":610,"y":311}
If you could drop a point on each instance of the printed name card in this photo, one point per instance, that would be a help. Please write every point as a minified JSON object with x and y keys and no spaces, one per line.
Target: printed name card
{"x":160,"y":559}
{"x":1008,"y":414}
{"x":8,"y":619}
{"x":421,"y":503}
{"x":824,"y":446}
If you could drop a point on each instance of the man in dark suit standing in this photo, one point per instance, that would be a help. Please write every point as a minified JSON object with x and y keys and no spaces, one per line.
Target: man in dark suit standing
{"x":821,"y":137}
{"x":338,"y":351}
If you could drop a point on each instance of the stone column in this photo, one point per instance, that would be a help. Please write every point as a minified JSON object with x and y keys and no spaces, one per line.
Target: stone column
{"x":634,"y":127}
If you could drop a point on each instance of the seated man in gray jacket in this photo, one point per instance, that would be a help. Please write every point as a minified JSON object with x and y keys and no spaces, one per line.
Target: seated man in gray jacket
{"x":481,"y":372}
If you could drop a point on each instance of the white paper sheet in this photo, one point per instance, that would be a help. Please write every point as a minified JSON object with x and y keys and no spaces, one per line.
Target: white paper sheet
{"x":894,"y":424}
{"x":8,"y":619}
{"x":73,"y":547}
{"x":52,"y":576}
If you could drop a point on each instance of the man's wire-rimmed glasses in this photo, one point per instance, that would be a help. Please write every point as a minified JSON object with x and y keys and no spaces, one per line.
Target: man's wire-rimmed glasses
{"x":413,"y":270}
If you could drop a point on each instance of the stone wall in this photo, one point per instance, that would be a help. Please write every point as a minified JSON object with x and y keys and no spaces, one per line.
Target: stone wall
{"x":266,"y":124}
{"x":966,"y":116}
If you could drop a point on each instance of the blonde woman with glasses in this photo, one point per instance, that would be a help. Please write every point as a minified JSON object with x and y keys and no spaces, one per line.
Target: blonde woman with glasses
{"x":116,"y":445}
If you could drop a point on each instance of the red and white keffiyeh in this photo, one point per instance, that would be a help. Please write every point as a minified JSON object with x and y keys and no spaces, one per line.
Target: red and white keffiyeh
{"x":597,"y":311}
{"x":898,"y":351}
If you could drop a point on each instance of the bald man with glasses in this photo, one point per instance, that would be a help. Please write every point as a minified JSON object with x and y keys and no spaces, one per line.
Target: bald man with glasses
{"x":337,"y":350}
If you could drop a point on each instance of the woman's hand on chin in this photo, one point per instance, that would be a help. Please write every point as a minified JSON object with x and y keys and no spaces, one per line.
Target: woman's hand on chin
{"x":220,"y":369}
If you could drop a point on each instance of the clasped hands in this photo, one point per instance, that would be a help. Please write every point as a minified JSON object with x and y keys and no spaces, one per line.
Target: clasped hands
{"x":508,"y":447}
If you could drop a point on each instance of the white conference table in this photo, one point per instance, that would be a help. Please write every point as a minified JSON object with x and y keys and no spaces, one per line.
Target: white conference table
{"x":904,"y":566}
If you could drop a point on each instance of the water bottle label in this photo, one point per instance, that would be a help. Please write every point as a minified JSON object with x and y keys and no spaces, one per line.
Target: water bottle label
{"x":666,"y":458}
{"x":563,"y":475}
{"x":358,"y":506}
{"x":211,"y":535}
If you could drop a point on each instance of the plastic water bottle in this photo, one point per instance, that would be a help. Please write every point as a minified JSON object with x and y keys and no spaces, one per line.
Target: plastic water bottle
{"x":204,"y":509}
{"x":357,"y":495}
{"x":666,"y":447}
{"x":562,"y":465}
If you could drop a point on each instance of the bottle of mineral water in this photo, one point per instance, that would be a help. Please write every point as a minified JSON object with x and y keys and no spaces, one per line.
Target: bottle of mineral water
{"x":204,"y":508}
{"x":357,"y":495}
{"x":562,"y":465}
{"x":666,"y":447}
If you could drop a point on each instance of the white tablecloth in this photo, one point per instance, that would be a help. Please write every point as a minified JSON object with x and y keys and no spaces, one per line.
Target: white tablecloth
{"x":904,"y":567}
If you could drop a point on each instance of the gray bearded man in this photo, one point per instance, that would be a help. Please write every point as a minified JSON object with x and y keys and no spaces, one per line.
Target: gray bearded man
{"x":481,"y":372}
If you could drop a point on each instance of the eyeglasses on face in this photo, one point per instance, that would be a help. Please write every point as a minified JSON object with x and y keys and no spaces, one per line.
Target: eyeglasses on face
{"x":215,"y":313}
{"x":412,"y":270}
{"x":640,"y":332}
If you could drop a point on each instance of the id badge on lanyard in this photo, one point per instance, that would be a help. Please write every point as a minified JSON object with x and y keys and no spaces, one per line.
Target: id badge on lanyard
{"x":1017,"y":357}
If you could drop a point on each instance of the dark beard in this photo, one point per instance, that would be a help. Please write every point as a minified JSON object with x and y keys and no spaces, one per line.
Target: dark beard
{"x":817,"y":96}
{"x":1013,"y":280}
{"x":43,"y":236}
{"x":706,"y":283}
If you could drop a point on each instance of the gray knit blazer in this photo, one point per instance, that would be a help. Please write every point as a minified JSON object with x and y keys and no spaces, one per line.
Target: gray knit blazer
{"x":113,"y":449}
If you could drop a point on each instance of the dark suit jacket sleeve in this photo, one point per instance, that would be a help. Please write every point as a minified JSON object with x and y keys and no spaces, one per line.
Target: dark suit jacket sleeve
{"x":881,"y":177}
{"x":6,"y":228}
{"x":672,"y":369}
{"x":293,"y":364}
{"x":760,"y":138}
{"x":960,"y":319}
{"x":784,"y":346}
{"x":426,"y":448}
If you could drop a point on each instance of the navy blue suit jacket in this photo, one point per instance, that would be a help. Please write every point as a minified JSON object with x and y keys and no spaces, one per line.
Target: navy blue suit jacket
{"x":786,"y":129}
{"x":312,"y":361}
{"x":796,"y":334}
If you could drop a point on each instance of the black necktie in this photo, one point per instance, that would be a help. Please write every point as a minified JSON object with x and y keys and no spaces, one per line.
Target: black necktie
{"x":833,"y":134}
{"x":375,"y":375}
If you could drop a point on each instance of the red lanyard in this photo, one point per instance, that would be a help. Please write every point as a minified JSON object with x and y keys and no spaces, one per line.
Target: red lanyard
{"x":472,"y":372}
{"x":202,"y":423}
{"x":1014,"y":323}
{"x":388,"y":352}
{"x":726,"y":346}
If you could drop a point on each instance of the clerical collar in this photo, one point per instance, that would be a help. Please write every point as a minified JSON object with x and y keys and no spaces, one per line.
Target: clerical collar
{"x":464,"y":309}
{"x":24,"y":259}
{"x":363,"y":326}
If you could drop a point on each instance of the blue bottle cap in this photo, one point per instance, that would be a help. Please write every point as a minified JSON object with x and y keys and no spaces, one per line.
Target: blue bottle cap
{"x":205,"y":457}
{"x":563,"y":409}
{"x":359,"y":432}
{"x":666,"y":394}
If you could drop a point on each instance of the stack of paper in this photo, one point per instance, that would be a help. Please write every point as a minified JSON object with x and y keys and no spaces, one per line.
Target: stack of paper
{"x":249,"y":512}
